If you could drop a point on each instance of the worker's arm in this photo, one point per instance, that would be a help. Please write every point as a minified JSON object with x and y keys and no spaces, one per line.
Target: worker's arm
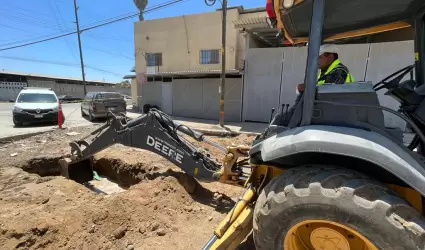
{"x":337,"y":76}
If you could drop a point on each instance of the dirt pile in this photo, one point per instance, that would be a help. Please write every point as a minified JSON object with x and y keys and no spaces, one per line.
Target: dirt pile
{"x":160,"y":208}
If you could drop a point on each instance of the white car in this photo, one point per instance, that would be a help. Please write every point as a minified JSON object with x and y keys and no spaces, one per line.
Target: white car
{"x":36,"y":105}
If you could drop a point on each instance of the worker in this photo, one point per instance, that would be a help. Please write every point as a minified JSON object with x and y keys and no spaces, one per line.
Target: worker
{"x":331,"y":71}
{"x":331,"y":68}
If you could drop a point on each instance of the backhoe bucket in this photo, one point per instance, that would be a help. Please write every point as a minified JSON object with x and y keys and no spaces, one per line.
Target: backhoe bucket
{"x":78,"y":171}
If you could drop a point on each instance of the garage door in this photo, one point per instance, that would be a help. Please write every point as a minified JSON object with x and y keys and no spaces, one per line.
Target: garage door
{"x":199,"y":98}
{"x":263,"y":71}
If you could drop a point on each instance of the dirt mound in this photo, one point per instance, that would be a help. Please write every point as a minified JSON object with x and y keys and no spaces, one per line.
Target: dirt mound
{"x":159,"y":207}
{"x":62,"y":214}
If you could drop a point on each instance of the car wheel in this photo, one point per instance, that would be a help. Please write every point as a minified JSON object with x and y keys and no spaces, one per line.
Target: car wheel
{"x":17,"y":123}
{"x":82,"y":113}
{"x":91,"y":118}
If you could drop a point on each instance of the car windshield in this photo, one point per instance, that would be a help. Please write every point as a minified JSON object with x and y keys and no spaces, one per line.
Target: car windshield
{"x":109,"y":96}
{"x":36,"y":98}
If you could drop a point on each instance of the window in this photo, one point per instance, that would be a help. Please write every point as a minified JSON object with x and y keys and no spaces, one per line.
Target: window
{"x":154,"y":59}
{"x":211,"y":56}
{"x":108,"y":95}
{"x":36,"y":98}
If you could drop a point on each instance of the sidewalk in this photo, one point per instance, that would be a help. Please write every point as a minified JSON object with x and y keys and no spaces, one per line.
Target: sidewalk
{"x":213,"y":127}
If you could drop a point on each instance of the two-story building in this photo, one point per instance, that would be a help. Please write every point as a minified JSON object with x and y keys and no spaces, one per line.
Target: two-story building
{"x":178,"y":63}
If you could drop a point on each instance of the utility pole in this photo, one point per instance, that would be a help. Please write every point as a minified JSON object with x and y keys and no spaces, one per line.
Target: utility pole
{"x":223,"y":62}
{"x":79,"y":45}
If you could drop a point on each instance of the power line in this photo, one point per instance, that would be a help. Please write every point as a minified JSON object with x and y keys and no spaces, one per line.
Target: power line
{"x":26,"y":21}
{"x":95,"y":26}
{"x":68,"y":64}
{"x":111,"y":53}
{"x":153,"y":8}
{"x":31,"y":11}
{"x":102,"y":70}
{"x":40,"y":41}
{"x":7,"y":26}
{"x":60,"y":25}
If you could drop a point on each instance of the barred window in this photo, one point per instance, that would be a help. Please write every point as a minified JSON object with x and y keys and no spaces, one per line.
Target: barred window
{"x":154,"y":59}
{"x":211,"y":56}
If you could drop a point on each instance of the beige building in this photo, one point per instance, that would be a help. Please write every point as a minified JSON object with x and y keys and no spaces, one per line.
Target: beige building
{"x":178,"y":60}
{"x":192,"y":42}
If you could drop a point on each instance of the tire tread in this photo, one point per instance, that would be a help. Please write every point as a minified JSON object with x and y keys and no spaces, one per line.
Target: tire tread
{"x":301,"y":183}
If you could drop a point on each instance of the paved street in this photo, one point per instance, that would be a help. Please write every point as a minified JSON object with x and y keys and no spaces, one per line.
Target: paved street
{"x":72,"y":118}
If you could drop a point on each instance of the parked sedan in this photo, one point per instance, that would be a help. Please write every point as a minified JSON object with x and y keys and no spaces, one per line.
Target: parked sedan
{"x":100,"y":104}
{"x":68,"y":98}
{"x":36,"y":105}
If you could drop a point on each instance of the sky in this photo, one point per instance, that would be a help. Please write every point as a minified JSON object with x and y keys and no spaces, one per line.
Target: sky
{"x":108,"y":51}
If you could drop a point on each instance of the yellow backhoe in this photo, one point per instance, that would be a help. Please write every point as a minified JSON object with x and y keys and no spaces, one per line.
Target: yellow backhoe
{"x":331,"y":176}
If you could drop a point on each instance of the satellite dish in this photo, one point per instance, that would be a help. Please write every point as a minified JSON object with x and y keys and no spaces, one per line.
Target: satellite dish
{"x":141,"y":5}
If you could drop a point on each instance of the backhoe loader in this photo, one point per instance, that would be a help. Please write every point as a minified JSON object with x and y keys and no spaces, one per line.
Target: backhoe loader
{"x":333,"y":176}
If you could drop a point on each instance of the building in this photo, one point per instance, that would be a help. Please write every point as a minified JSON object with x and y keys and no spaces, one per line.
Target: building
{"x":178,"y":64}
{"x":12,"y":82}
{"x":180,"y":59}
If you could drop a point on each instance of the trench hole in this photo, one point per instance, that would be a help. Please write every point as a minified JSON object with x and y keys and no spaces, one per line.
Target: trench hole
{"x":117,"y":176}
{"x":114,"y":171}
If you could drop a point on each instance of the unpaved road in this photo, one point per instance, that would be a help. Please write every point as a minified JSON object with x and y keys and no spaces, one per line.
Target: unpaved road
{"x":153,"y":211}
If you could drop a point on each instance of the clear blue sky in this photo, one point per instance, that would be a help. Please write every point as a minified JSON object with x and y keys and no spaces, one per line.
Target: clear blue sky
{"x":108,"y":48}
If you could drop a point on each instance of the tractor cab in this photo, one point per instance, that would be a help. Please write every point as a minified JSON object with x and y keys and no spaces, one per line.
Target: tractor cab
{"x":353,"y":105}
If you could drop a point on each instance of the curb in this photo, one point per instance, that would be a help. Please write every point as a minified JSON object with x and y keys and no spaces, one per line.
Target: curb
{"x":8,"y":139}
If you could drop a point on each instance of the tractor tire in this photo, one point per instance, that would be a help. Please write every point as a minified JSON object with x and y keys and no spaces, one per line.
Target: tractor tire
{"x":303,"y":203}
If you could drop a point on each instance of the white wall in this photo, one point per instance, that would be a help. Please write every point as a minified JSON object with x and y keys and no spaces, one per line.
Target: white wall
{"x":10,"y":90}
{"x":366,"y":62}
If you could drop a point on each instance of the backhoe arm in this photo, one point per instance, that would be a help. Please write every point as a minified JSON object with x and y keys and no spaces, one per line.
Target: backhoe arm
{"x":155,"y":132}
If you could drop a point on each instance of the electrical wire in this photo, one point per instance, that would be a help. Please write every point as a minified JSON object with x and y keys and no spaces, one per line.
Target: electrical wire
{"x":59,"y":63}
{"x":28,"y":22}
{"x":94,"y":26}
{"x":7,"y":26}
{"x":39,"y":41}
{"x":68,"y":45}
{"x":155,"y":7}
{"x":111,"y":53}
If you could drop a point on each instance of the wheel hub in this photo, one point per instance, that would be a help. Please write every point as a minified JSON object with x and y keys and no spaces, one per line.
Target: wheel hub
{"x":328,"y":239}
{"x":324,"y":235}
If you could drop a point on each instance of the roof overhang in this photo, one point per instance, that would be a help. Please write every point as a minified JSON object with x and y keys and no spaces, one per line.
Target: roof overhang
{"x":260,"y":28}
{"x":129,"y":77}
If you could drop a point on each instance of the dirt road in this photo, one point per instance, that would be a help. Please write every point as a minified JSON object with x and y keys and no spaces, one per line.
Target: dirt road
{"x":151,"y":209}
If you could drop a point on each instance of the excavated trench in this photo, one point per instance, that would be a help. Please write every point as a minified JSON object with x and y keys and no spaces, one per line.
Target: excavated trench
{"x":115,"y":175}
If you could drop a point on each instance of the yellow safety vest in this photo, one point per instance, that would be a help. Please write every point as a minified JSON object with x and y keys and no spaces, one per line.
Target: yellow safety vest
{"x":335,"y":65}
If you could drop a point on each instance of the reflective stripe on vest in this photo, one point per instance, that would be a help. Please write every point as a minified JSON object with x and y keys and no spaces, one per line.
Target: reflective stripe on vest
{"x":333,"y":66}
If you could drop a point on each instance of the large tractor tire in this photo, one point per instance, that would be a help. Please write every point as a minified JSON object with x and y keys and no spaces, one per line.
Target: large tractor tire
{"x":327,"y":208}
